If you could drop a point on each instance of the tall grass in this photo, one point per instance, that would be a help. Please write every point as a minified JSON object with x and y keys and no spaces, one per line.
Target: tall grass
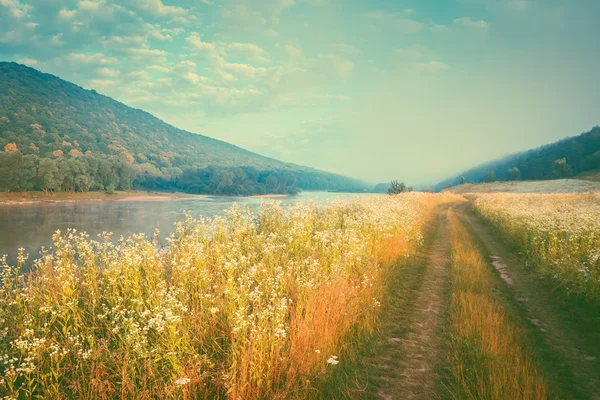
{"x":242,"y":307}
{"x":558,"y":233}
{"x":487,"y":357}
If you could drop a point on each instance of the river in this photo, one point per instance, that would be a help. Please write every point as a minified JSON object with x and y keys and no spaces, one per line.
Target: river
{"x":31,"y":226}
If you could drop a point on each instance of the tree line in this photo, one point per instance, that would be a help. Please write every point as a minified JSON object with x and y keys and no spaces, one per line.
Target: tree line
{"x":91,"y":172}
{"x":563,"y":159}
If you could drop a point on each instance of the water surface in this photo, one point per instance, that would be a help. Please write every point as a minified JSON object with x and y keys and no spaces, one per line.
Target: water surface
{"x":31,"y":226}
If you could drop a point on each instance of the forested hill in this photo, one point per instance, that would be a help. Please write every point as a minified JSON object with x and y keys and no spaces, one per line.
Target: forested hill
{"x":563,"y":159}
{"x":59,"y":136}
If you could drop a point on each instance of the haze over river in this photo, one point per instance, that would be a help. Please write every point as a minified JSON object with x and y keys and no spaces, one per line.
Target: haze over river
{"x":31,"y":226}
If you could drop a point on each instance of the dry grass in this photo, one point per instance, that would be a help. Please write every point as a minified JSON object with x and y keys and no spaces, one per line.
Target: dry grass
{"x":487,"y":357}
{"x":243,"y":307}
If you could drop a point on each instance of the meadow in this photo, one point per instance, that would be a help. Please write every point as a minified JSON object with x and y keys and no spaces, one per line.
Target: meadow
{"x":559,"y":235}
{"x":379,"y":296}
{"x":246,"y":306}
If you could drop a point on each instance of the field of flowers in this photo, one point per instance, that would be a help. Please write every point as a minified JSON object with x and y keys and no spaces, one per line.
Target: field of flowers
{"x":242,"y":307}
{"x":558,"y":233}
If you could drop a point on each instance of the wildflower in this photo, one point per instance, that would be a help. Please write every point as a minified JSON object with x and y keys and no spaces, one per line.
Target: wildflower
{"x":318,"y":351}
{"x":333,"y":360}
{"x":182,"y":381}
{"x":214,"y":310}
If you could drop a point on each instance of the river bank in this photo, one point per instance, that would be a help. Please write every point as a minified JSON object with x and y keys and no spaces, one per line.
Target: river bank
{"x":11,"y":198}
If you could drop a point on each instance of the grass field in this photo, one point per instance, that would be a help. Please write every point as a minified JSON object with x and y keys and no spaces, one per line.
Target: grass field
{"x":390,"y":297}
{"x":248,"y":306}
{"x":558,"y":233}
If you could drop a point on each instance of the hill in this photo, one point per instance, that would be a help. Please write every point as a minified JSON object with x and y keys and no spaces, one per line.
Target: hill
{"x":78,"y":137}
{"x":573,"y":156}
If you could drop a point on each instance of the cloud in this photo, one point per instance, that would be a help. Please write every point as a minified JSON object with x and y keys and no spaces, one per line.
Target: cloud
{"x":108,"y":73}
{"x":250,"y":51}
{"x":244,"y":70}
{"x":15,"y":8}
{"x":467,"y":22}
{"x":156,"y":8}
{"x":206,"y":49}
{"x":27,"y":61}
{"x":90,"y":59}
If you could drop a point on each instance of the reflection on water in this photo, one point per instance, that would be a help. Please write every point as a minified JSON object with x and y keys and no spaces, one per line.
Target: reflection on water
{"x":31,"y":226}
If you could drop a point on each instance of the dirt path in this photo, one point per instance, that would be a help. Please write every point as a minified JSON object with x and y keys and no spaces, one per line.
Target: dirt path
{"x":406,"y":356}
{"x":570,"y":360}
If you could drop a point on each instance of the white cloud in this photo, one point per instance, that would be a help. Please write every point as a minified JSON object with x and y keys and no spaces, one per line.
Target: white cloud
{"x":27,"y":61}
{"x":159,"y":68}
{"x":467,"y":22}
{"x":244,"y":70}
{"x":67,"y":14}
{"x":90,"y":59}
{"x":156,"y":8}
{"x":108,"y":73}
{"x":250,"y":51}
{"x":206,"y":49}
{"x":15,"y":8}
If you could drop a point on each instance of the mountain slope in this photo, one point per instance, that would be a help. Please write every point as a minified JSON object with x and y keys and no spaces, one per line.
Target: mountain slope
{"x":562,"y":159}
{"x":48,"y":117}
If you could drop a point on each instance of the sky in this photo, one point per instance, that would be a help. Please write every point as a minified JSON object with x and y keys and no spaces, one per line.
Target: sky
{"x":413,"y":90}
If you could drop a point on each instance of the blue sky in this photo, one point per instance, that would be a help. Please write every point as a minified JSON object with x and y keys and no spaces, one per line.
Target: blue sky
{"x":415,"y":90}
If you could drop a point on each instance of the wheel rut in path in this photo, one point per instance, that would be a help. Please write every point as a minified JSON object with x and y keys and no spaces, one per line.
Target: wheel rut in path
{"x":406,"y":355}
{"x":570,"y":360}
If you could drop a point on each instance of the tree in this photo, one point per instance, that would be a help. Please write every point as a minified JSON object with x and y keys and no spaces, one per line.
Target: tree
{"x":561,"y":169}
{"x":47,"y":172}
{"x":272,"y":182}
{"x":11,"y":147}
{"x":490,"y":177}
{"x":462,"y":180}
{"x":513,"y":174}
{"x":397,"y":187}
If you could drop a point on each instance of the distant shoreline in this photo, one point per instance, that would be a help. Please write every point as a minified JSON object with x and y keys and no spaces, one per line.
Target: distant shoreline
{"x":23,"y":198}
{"x":269,"y":196}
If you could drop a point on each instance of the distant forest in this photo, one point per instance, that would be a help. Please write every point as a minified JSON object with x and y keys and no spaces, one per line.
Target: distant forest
{"x":88,"y":172}
{"x":57,"y":136}
{"x":563,"y":159}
